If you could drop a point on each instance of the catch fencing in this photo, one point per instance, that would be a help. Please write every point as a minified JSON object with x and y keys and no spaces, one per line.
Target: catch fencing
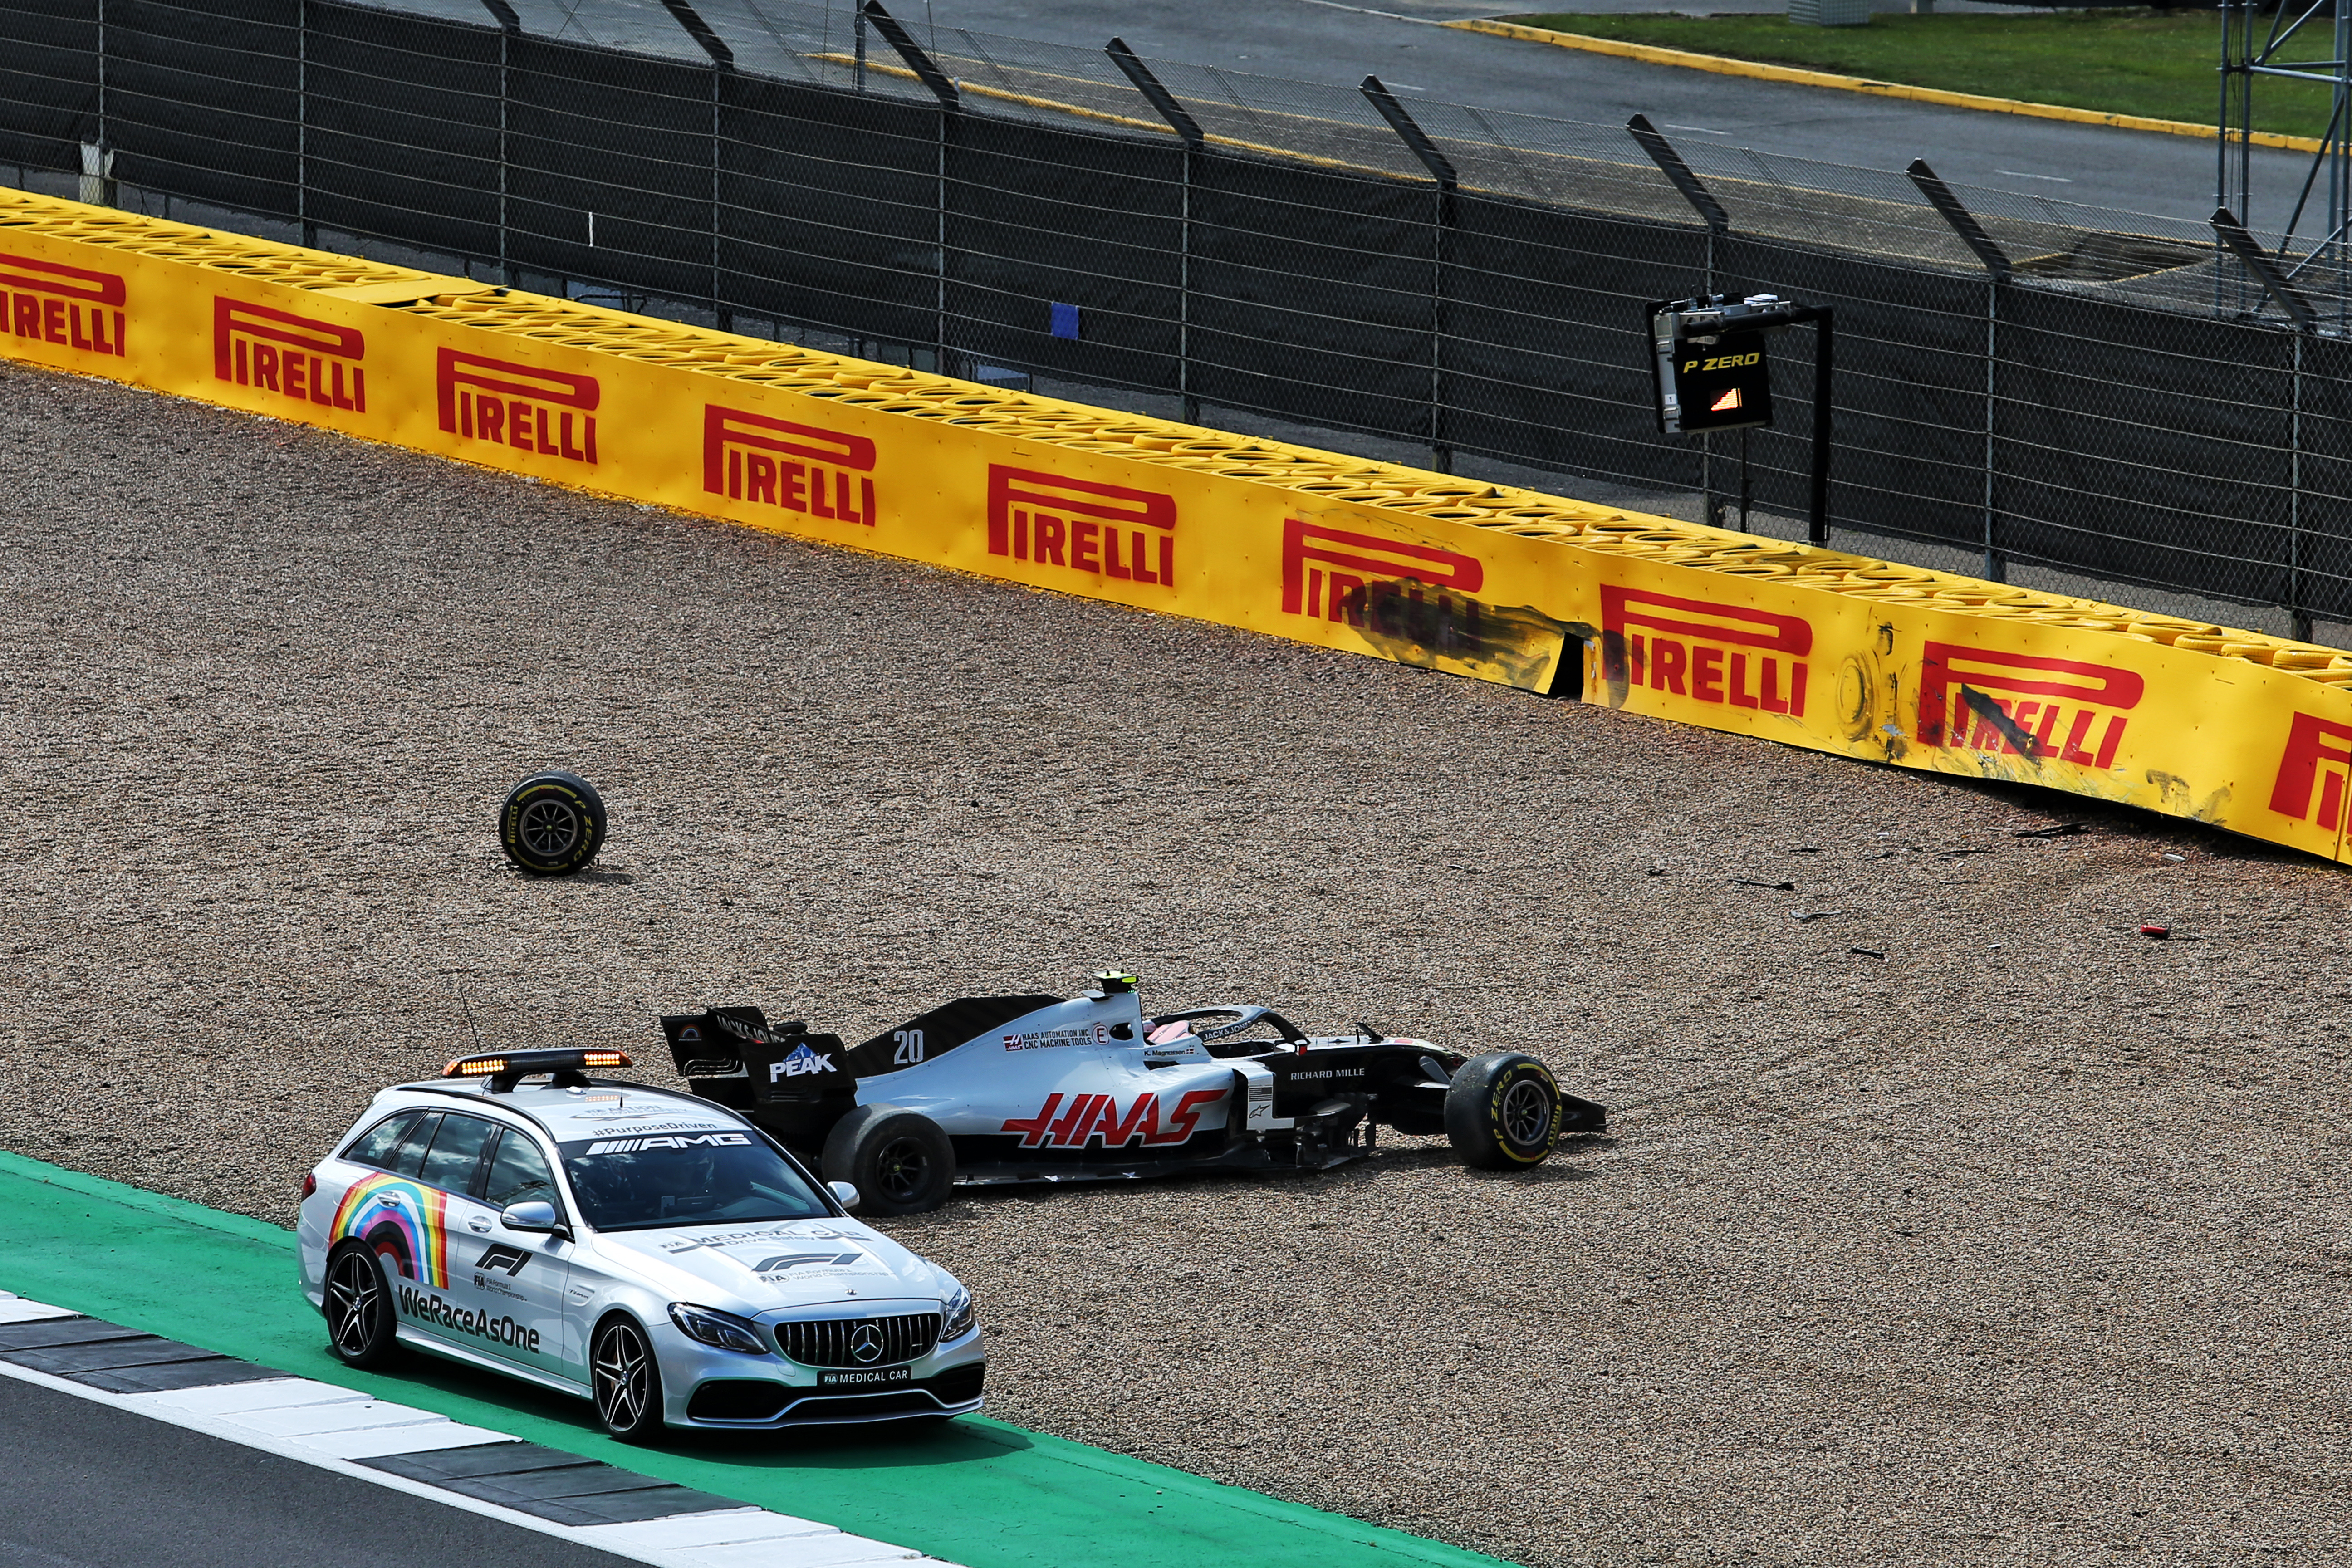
{"x":2098,"y":393}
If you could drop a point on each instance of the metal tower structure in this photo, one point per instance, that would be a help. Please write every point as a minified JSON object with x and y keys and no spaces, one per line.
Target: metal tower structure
{"x":2292,"y":41}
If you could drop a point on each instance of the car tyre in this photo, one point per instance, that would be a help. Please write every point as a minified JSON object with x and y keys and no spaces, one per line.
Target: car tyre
{"x":553,"y":824}
{"x":900,"y":1161}
{"x":361,"y":1330}
{"x":1502,"y":1112}
{"x":627,"y":1381}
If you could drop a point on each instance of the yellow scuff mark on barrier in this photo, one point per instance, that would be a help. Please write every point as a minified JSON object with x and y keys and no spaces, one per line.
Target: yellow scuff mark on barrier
{"x":1813,"y":647}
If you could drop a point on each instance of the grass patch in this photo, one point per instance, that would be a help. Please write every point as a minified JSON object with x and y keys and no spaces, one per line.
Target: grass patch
{"x":2158,"y":64}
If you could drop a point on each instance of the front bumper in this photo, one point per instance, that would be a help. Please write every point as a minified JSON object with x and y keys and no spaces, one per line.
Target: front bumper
{"x":719,"y":1389}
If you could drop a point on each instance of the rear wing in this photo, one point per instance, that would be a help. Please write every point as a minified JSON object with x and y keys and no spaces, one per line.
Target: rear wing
{"x":734,"y":1056}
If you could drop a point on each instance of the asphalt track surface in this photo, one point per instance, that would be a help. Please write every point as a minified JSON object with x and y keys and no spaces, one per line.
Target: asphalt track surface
{"x":88,"y":1485}
{"x":1311,"y":41}
{"x":2015,"y":1238}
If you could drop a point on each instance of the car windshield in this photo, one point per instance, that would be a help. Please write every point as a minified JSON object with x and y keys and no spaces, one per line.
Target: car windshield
{"x":638,"y":1181}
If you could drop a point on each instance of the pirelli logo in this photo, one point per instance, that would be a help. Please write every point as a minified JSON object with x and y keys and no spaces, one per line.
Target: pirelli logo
{"x":299,"y":358}
{"x":2312,"y":769}
{"x":1328,"y":574}
{"x":801,"y":468}
{"x":1986,"y":699}
{"x":1709,"y":651}
{"x":549,"y":412}
{"x":70,"y":307}
{"x":1082,"y":525}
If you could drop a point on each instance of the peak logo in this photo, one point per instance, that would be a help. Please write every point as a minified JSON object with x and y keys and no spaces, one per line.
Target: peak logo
{"x":70,"y":307}
{"x":2317,"y":758}
{"x":1705,"y":650}
{"x":549,"y":412}
{"x":1328,"y":574}
{"x":1092,"y":1116}
{"x":1976,"y":699}
{"x":1077,"y":524}
{"x":802,"y":1062}
{"x":297,"y":357}
{"x":795,"y":467}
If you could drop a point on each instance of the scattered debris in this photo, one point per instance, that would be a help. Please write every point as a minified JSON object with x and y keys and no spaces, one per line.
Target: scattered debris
{"x":1804,"y":848}
{"x":1657,"y":871}
{"x":1949,"y":854}
{"x":1802,"y":916}
{"x":2055,"y":830}
{"x":1869,"y":953}
{"x":2160,"y":932}
{"x":2175,"y":859}
{"x":1752,"y":883}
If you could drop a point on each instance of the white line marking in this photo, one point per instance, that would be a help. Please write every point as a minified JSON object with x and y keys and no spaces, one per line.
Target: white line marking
{"x":242,"y":1413}
{"x":2022,"y":174}
{"x":1700,"y":128}
{"x":1368,"y":10}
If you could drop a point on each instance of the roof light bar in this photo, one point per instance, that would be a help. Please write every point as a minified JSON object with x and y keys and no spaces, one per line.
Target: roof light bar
{"x":507,"y":1069}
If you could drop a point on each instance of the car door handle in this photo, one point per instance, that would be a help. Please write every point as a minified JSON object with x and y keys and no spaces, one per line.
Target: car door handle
{"x":479,"y":1227}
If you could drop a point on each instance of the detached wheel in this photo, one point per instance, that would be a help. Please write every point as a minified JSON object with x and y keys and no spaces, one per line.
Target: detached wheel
{"x":552,"y":824}
{"x":628,"y":1382}
{"x":900,"y":1161}
{"x":1502,"y":1112}
{"x":361,"y":1327}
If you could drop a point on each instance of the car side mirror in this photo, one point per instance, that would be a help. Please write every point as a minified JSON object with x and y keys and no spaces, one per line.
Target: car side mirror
{"x":845,"y":1193}
{"x":532,"y":1219}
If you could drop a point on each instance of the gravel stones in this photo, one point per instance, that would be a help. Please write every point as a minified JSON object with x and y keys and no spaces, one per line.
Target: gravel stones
{"x":2027,"y":1243}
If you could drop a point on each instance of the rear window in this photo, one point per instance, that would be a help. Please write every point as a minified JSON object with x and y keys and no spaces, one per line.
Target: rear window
{"x":456,"y":1153}
{"x":375,"y":1145}
{"x":408,"y":1158}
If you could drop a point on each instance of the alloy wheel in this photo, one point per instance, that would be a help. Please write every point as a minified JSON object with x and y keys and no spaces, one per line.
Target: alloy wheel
{"x":1527,"y":1113}
{"x":354,"y":1293}
{"x":550,"y":827}
{"x":623,"y":1374}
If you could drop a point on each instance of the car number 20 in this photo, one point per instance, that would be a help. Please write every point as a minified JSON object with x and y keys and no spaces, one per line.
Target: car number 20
{"x":910,"y":1048}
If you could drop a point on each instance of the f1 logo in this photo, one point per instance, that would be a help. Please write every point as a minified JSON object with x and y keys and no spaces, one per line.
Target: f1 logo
{"x":502,"y":1256}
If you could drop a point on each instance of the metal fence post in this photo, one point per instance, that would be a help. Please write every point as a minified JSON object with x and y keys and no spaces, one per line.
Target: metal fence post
{"x":302,"y":123}
{"x":509,"y":24}
{"x":2298,"y":612}
{"x":1998,"y":270}
{"x":928,"y":72}
{"x":1441,"y":169}
{"x":722,"y":60}
{"x":1164,"y":104}
{"x":1718,"y":223}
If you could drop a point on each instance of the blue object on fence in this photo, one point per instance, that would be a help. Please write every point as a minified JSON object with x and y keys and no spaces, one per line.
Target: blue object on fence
{"x":1064,"y":321}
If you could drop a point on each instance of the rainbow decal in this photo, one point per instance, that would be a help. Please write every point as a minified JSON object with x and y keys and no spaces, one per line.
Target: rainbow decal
{"x":400,"y":1218}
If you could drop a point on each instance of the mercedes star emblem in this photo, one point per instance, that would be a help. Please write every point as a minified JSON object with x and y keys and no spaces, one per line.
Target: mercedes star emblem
{"x":865,"y":1344}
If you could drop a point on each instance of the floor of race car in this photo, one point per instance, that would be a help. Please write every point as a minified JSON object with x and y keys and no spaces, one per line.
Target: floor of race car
{"x":1954,"y":1223}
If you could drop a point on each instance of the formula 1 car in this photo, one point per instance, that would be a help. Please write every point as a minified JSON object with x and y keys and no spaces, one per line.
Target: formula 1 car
{"x":988,"y":1090}
{"x":636,"y":1247}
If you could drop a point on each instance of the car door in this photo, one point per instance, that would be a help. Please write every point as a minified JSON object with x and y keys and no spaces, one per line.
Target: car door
{"x":521,"y":1278}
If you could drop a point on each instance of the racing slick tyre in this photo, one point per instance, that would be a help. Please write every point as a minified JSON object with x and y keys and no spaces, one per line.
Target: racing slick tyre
{"x":553,"y":824}
{"x":900,"y":1161}
{"x":1502,"y":1112}
{"x":628,"y":1381}
{"x":361,"y":1329}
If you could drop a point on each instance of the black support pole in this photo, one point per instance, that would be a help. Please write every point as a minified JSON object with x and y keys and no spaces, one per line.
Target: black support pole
{"x":1817,"y":520}
{"x":1188,"y":129}
{"x":1441,"y":169}
{"x":2246,"y":248}
{"x":1669,"y":163}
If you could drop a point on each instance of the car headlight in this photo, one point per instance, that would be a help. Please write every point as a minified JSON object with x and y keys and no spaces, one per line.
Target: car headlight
{"x":723,"y":1330}
{"x":960,"y":1314}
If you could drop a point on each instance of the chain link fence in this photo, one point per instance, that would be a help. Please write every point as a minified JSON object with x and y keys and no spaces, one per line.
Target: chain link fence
{"x":2026,"y":381}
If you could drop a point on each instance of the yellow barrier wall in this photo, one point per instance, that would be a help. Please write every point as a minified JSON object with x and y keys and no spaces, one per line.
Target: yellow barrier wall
{"x":1807,"y":647}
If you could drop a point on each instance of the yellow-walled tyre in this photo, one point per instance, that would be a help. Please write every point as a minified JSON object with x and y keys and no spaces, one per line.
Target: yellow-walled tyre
{"x":553,"y":824}
{"x":1502,"y":1112}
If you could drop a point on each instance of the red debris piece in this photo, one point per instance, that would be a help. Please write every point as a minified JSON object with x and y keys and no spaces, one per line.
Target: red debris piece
{"x":2159,"y":932}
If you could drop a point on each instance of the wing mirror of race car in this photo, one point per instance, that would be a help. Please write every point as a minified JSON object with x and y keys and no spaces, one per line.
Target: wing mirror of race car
{"x":845,"y":1193}
{"x":533,"y":1219}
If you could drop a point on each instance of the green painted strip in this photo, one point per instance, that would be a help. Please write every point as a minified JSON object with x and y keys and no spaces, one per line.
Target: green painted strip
{"x":977,"y":1493}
